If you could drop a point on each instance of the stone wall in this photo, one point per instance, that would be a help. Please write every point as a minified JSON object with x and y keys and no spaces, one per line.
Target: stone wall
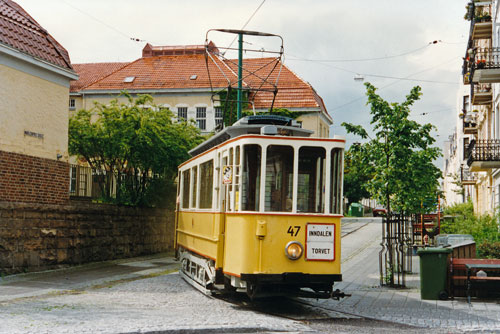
{"x":26,"y":178}
{"x":36,"y":237}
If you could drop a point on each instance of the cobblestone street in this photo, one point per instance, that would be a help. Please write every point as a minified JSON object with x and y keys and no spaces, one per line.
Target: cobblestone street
{"x":146,"y":295}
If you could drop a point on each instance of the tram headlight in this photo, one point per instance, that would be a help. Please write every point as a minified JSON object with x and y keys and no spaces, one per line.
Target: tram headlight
{"x":294,"y":250}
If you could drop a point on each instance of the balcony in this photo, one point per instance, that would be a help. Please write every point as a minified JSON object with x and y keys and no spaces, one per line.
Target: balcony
{"x":483,"y":64}
{"x":483,"y":155}
{"x":467,"y":177}
{"x":481,"y":94}
{"x":470,"y":123}
{"x":479,"y":13}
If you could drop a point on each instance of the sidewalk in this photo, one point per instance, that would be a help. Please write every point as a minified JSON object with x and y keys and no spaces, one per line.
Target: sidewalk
{"x":361,"y":279}
{"x":85,"y":276}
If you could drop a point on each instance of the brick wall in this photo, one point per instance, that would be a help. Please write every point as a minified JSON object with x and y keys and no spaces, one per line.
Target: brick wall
{"x":36,"y":237}
{"x":29,"y":179}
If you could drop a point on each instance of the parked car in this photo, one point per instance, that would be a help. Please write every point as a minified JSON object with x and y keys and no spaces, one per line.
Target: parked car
{"x":379,"y":212}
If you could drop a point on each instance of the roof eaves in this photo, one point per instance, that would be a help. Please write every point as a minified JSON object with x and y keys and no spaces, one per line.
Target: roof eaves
{"x":61,"y":51}
{"x":37,"y":61}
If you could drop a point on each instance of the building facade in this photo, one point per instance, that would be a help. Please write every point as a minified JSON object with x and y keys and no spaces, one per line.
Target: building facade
{"x":458,"y":181}
{"x":480,"y":111}
{"x":180,"y":78}
{"x":35,"y":74}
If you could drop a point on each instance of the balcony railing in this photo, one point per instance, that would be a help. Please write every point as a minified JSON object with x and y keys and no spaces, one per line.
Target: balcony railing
{"x":483,"y":154}
{"x":470,"y":122}
{"x":486,"y":58}
{"x":481,"y":94}
{"x":482,"y":65}
{"x":479,"y":13}
{"x":467,"y":177}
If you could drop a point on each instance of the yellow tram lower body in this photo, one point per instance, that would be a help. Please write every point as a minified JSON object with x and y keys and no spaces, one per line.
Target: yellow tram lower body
{"x":247,"y":250}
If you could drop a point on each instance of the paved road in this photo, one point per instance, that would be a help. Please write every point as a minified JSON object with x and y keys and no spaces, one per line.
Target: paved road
{"x":146,"y":295}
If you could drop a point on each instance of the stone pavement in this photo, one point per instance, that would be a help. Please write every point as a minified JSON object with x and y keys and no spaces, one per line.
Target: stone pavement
{"x":147,"y":295}
{"x":360,"y":273}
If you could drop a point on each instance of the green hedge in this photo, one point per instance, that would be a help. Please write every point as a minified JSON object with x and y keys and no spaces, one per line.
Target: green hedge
{"x":484,"y":229}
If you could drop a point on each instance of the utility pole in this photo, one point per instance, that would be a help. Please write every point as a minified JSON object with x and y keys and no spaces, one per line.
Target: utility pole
{"x":240,"y":75}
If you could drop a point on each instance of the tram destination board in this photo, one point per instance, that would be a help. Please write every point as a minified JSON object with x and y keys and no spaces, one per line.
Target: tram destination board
{"x":320,"y":242}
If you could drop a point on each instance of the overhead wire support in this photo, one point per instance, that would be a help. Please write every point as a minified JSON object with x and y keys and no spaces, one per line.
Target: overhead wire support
{"x":258,"y":76}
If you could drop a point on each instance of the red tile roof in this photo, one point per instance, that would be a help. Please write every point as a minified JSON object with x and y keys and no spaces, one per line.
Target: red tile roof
{"x":163,"y":72}
{"x":190,"y":72}
{"x":92,"y":72}
{"x":20,"y":31}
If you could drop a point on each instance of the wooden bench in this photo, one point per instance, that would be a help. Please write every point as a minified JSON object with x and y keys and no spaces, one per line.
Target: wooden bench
{"x":463,"y":273}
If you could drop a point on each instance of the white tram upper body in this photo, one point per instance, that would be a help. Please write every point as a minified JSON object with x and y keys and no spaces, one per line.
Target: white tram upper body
{"x":259,"y":210}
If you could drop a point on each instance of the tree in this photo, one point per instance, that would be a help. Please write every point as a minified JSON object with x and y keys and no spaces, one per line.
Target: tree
{"x":135,"y":143}
{"x":400,"y":155}
{"x":357,"y":174}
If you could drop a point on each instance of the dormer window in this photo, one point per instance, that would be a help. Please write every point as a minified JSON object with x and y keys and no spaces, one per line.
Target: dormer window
{"x":129,"y":79}
{"x":193,"y":77}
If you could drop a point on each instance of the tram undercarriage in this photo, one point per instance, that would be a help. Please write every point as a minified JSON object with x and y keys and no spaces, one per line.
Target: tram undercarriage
{"x":200,"y":272}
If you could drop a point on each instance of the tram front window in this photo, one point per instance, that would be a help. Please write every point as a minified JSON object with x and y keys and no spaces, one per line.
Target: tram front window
{"x":279,"y":178}
{"x":311,"y":180}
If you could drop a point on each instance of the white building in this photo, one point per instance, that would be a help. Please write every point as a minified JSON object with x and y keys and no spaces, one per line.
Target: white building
{"x":480,"y":130}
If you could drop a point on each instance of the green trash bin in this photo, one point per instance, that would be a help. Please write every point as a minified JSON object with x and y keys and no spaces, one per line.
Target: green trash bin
{"x":433,"y":271}
{"x":356,"y":210}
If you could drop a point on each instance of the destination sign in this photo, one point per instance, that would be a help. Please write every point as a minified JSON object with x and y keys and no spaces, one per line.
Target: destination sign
{"x":320,"y":242}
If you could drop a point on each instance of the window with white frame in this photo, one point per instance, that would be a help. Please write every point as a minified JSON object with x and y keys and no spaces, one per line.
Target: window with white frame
{"x":72,"y":105}
{"x":201,"y":117}
{"x":218,"y":116}
{"x":182,"y":113}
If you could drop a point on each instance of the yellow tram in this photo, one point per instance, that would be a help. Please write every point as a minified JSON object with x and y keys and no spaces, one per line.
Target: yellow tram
{"x":259,"y":209}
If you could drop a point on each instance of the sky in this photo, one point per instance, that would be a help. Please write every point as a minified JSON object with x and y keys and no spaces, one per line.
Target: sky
{"x":326,"y":42}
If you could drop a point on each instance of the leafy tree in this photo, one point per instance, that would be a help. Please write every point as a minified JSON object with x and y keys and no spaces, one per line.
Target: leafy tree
{"x":400,"y":154}
{"x":357,"y":173}
{"x":459,"y":185}
{"x":135,"y":143}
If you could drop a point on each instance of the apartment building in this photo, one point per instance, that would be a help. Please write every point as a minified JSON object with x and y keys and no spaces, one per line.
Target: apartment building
{"x":178,"y":79}
{"x":481,"y":74}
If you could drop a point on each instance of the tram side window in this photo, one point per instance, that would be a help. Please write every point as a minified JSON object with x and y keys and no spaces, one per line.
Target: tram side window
{"x":195,"y":186}
{"x":252,"y":155}
{"x":185,"y":188}
{"x":206,"y":184}
{"x":279,"y":178}
{"x":336,"y":181}
{"x":311,"y":180}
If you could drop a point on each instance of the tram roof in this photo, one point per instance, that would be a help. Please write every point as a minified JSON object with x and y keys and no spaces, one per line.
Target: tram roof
{"x":259,"y":125}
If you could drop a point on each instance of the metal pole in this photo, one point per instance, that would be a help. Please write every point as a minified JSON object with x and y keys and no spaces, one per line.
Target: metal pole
{"x":240,"y":75}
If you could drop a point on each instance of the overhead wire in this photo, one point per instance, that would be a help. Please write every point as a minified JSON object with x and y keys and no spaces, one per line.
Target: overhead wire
{"x":407,"y":78}
{"x":135,"y":39}
{"x":393,"y":83}
{"x":367,"y":59}
{"x":246,"y":23}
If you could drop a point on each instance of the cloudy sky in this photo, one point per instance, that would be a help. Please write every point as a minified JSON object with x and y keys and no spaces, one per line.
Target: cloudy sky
{"x":326,"y":43}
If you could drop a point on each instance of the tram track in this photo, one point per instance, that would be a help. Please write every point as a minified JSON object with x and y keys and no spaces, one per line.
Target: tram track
{"x":289,"y":308}
{"x":294,"y":308}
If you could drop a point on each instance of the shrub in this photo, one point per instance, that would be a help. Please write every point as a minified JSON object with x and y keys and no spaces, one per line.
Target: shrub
{"x":483,"y":228}
{"x":489,"y":250}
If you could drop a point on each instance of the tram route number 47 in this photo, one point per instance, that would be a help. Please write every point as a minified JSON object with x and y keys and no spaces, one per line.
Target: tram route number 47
{"x":293,"y":230}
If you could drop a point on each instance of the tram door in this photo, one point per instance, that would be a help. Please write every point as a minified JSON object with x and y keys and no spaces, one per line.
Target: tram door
{"x":224,"y":176}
